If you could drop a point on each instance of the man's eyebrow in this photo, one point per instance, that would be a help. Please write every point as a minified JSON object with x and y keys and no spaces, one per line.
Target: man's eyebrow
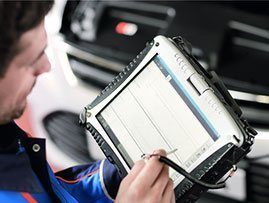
{"x":40,"y":54}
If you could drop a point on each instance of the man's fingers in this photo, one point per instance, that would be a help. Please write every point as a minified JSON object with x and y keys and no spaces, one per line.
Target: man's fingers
{"x":160,"y":152}
{"x":138,"y":166}
{"x":150,"y":171}
{"x":148,"y":181}
{"x":161,"y":181}
{"x":168,"y":195}
{"x":173,"y":199}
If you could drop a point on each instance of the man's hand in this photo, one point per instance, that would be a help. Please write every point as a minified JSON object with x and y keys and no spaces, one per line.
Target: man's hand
{"x":147,"y":182}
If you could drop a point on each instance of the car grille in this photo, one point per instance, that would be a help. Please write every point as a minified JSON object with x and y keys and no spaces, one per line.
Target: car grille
{"x":65,"y":132}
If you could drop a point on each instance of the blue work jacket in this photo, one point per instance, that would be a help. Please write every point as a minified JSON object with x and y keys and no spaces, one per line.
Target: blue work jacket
{"x":26,"y":177}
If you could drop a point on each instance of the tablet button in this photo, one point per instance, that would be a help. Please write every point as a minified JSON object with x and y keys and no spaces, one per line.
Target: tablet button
{"x":214,"y":106}
{"x":202,"y":173}
{"x":179,"y":59}
{"x":184,"y":67}
{"x":210,"y":102}
{"x":110,"y":159}
{"x":95,"y":135}
{"x":199,"y":83}
{"x":176,"y":55}
{"x":181,"y":64}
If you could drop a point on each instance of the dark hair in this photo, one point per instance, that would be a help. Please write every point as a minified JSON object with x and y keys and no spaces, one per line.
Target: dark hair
{"x":16,"y":18}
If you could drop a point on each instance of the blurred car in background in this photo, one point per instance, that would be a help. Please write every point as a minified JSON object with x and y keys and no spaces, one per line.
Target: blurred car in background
{"x":98,"y":38}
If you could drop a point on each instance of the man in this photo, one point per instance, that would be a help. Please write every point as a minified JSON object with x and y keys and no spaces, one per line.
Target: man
{"x":24,"y":173}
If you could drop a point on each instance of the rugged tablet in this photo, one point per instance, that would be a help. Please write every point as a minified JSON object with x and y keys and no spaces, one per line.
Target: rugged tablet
{"x":165,"y":99}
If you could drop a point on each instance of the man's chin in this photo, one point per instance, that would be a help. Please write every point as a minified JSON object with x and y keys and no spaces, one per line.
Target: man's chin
{"x":17,"y":113}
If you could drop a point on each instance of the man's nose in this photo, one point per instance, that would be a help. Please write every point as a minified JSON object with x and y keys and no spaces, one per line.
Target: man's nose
{"x":44,"y":65}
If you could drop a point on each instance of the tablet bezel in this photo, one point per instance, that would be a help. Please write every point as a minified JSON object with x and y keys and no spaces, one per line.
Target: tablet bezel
{"x":169,"y":57}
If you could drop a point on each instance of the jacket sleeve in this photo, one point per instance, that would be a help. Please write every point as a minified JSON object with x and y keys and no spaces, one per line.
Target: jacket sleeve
{"x":95,"y":182}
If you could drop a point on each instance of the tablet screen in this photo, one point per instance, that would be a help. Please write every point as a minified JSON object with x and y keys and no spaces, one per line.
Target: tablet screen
{"x":155,"y":111}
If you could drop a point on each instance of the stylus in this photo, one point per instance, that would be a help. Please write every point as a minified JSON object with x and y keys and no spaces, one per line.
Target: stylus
{"x":188,"y":175}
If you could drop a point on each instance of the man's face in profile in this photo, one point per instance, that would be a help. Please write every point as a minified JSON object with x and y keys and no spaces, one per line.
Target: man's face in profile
{"x":22,"y":72}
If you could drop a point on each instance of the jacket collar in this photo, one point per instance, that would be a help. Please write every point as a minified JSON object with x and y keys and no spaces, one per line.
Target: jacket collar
{"x":16,"y":173}
{"x":22,"y":166}
{"x":10,"y":133}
